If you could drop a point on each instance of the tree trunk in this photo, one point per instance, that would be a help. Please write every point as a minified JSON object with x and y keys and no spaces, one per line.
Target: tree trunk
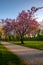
{"x":22,"y":40}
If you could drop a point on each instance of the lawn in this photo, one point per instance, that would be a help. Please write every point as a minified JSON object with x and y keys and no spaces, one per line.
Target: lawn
{"x":31,"y":44}
{"x":7,"y":58}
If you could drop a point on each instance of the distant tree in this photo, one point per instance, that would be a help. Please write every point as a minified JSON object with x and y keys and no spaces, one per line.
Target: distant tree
{"x":0,"y":34}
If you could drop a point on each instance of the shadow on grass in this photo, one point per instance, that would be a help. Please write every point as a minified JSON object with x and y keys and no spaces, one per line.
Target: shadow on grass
{"x":7,"y":58}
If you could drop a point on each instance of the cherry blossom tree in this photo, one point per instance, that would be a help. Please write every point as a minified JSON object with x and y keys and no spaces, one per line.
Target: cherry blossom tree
{"x":7,"y":28}
{"x":25,"y":24}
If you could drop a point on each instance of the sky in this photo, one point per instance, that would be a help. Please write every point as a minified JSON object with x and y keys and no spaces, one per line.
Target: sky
{"x":11,"y":8}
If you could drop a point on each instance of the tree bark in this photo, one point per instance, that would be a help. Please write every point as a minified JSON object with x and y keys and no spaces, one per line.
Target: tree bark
{"x":22,"y":40}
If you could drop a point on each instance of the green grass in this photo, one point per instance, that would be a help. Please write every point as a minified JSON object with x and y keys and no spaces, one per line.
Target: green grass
{"x":31,"y":44}
{"x":7,"y":58}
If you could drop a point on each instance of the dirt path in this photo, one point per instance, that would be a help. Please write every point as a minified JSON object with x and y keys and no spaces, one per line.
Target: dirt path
{"x":28,"y":54}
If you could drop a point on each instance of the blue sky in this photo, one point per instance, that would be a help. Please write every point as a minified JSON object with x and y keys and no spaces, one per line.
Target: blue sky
{"x":11,"y":8}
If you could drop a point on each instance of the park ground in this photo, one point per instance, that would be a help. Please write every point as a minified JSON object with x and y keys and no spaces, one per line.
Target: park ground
{"x":31,"y":44}
{"x":8,"y":58}
{"x":34,"y":55}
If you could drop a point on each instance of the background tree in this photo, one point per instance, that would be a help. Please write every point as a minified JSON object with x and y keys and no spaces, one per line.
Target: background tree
{"x":7,"y":28}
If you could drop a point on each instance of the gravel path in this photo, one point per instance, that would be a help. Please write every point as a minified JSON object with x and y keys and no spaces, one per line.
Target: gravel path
{"x":28,"y":54}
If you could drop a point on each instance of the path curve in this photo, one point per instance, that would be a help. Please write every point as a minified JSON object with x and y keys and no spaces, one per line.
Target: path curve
{"x":28,"y":54}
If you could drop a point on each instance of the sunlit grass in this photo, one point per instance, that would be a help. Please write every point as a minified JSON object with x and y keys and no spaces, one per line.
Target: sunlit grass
{"x":31,"y":44}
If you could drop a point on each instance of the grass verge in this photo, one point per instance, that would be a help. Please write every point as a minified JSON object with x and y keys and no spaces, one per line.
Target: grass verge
{"x":31,"y":44}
